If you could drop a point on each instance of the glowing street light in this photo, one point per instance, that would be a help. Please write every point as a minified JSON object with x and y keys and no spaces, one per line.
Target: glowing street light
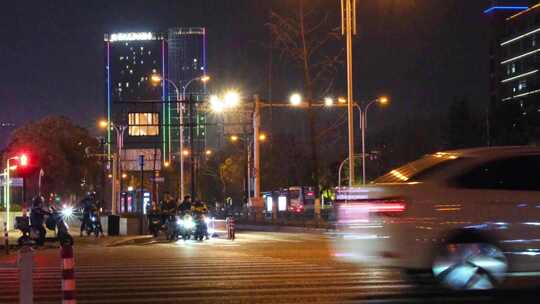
{"x":328,"y":102}
{"x":262,"y":137}
{"x":155,"y":78}
{"x":124,"y":175}
{"x":205,"y":78}
{"x":383,"y":100}
{"x":234,"y":138}
{"x":208,"y":152}
{"x":185,"y":152}
{"x":103,"y":124}
{"x":231,"y":99}
{"x":295,"y":99}
{"x":166,"y":164}
{"x":216,"y":104}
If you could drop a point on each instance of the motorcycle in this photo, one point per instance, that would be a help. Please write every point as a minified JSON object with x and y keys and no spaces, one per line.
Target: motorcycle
{"x":186,"y":224}
{"x":92,"y":225}
{"x":56,"y":221}
{"x":201,"y":227}
{"x":172,"y":228}
{"x":35,"y":234}
{"x":154,"y":224}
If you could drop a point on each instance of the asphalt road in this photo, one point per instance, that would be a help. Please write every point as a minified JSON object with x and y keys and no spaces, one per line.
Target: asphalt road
{"x":256,"y":268}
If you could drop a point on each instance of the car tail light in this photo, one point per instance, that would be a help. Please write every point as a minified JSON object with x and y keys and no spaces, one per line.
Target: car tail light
{"x":387,"y":207}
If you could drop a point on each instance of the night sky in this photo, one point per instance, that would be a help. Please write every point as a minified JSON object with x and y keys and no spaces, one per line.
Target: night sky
{"x":421,"y":52}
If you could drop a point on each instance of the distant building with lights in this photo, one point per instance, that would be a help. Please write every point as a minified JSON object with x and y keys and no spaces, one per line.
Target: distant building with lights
{"x":149,"y":110}
{"x":187,"y":64}
{"x":514,"y":63}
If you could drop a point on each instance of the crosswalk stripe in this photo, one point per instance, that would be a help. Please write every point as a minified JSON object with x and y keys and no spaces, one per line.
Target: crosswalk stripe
{"x":203,"y":280}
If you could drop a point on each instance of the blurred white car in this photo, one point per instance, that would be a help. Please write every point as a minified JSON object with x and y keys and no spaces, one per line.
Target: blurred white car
{"x":471,"y":217}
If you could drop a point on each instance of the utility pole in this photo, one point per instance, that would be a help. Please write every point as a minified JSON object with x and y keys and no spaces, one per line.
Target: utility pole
{"x":141,"y":212}
{"x":192,"y":122}
{"x":257,"y":202}
{"x":348,"y":29}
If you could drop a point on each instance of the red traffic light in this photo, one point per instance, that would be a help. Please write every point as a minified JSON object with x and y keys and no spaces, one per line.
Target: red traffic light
{"x":23,"y":160}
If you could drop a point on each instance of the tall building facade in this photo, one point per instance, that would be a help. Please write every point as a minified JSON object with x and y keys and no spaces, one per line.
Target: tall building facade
{"x":187,"y":65}
{"x":150,"y":110}
{"x":515,"y":72}
{"x":133,"y":100}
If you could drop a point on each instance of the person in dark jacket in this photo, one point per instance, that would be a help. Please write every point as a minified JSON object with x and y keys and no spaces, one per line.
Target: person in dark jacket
{"x":88,"y":206}
{"x":185,"y":206}
{"x":37,"y":218}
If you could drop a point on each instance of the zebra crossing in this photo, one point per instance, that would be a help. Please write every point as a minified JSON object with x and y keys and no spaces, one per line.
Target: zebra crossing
{"x":198,"y":280}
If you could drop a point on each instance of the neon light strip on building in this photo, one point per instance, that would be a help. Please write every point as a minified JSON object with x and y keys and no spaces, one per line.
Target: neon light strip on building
{"x":108,"y":100}
{"x":520,"y":37}
{"x":520,"y":56}
{"x":519,"y":76}
{"x":505,"y":8}
{"x":523,"y":12}
{"x":522,"y":95}
{"x":131,"y":36}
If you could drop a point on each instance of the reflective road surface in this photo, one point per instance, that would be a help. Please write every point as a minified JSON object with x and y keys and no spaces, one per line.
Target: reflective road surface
{"x":256,"y":268}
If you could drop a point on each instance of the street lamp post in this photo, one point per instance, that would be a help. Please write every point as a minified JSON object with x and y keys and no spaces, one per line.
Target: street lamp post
{"x":179,"y":110}
{"x":348,"y":29}
{"x":363,"y":124}
{"x":7,"y":182}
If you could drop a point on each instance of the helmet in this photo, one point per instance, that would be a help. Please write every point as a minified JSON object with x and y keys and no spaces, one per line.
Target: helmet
{"x":37,"y":201}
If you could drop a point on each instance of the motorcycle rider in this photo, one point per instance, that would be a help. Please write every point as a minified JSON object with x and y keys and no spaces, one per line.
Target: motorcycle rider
{"x":37,"y":218}
{"x":199,"y":210}
{"x":168,"y":207}
{"x":185,"y":206}
{"x":88,"y":205}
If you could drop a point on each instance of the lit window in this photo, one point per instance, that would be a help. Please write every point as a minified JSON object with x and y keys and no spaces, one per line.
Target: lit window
{"x":143,"y":124}
{"x":131,"y":71}
{"x":127,"y":84}
{"x":121,"y":57}
{"x":522,"y":85}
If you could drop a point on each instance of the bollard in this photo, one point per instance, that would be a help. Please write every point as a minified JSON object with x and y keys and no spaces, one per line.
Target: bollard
{"x":230,"y":228}
{"x":25,"y":262}
{"x":6,"y":238}
{"x":68,"y":275}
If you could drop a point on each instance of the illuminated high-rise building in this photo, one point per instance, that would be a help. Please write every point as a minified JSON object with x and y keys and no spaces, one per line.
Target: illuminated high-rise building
{"x":187,"y":64}
{"x":515,"y":71}
{"x":133,"y":100}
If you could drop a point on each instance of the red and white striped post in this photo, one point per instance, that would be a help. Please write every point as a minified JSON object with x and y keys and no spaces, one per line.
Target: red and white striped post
{"x":6,"y":238}
{"x":230,"y":228}
{"x":68,"y":275}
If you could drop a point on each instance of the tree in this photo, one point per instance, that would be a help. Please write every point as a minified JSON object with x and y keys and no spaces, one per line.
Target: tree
{"x":305,"y":39}
{"x":57,"y":146}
